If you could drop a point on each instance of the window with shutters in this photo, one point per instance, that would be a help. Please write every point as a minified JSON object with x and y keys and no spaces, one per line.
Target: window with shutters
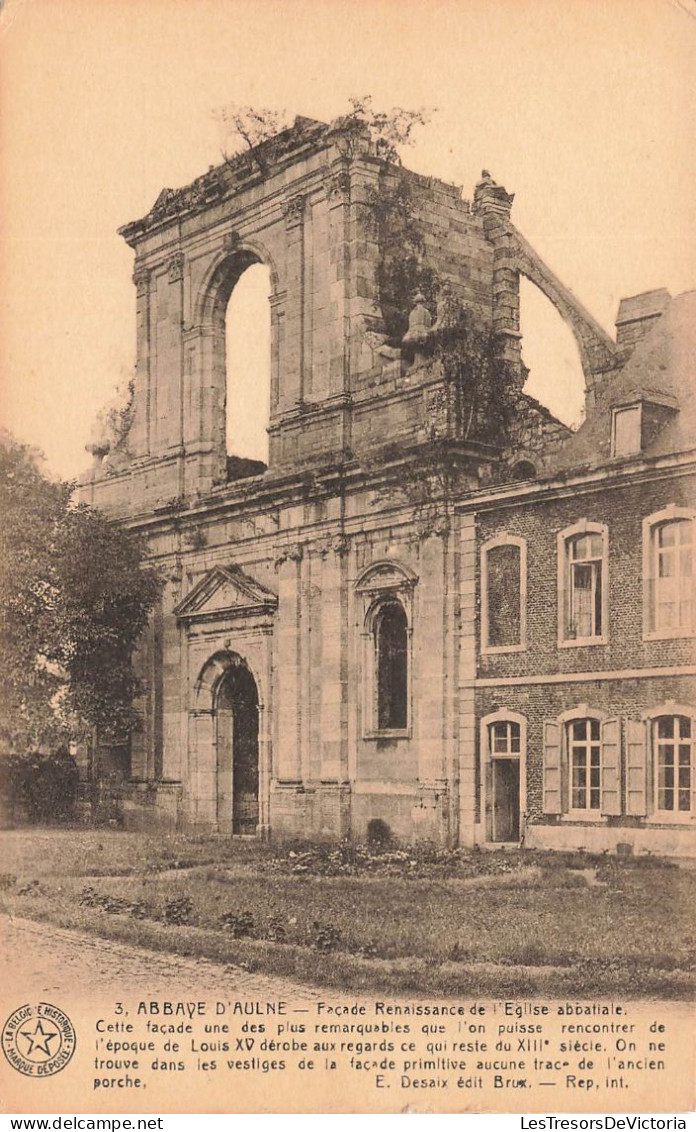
{"x":583,"y":585}
{"x":504,"y":594}
{"x":668,"y":573}
{"x":584,"y":750}
{"x":582,"y":765}
{"x":673,"y":754}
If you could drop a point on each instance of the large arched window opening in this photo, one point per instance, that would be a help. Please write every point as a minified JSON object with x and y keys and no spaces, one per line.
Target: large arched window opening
{"x":248,"y":372}
{"x":551,"y":354}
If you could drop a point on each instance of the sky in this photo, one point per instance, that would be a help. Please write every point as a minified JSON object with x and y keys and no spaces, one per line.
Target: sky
{"x":583,"y":109}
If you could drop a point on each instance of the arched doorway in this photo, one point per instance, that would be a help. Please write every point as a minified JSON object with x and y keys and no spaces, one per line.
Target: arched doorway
{"x":237,"y":743}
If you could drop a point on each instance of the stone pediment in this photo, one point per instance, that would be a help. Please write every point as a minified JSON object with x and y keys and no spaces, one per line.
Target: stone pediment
{"x":385,"y":575}
{"x":224,"y":592}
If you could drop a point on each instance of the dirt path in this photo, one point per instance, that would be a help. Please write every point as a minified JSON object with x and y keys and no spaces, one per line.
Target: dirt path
{"x":39,"y":959}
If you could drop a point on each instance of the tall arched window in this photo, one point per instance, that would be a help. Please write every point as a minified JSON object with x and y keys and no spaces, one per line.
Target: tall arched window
{"x":583,"y":608}
{"x":385,"y":590}
{"x":503,"y":594}
{"x":248,"y":369}
{"x":391,"y":658}
{"x":668,"y":570}
{"x":673,"y":749}
{"x":582,"y":764}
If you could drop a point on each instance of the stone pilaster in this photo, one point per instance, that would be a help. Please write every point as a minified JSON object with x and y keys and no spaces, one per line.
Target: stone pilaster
{"x":202,"y":782}
{"x":139,"y":436}
{"x":334,"y":630}
{"x":428,"y":676}
{"x":292,"y":354}
{"x":466,"y":676}
{"x":287,"y":678}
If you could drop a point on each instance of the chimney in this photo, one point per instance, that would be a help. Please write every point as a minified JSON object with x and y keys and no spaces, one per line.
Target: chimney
{"x":637,"y":316}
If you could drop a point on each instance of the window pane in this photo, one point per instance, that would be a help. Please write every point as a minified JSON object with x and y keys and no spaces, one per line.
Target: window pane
{"x":582,"y":605}
{"x":596,"y":546}
{"x":515,"y":737}
{"x":684,"y":727}
{"x":579,"y":548}
{"x":665,"y":727}
{"x":504,"y":596}
{"x":667,"y":534}
{"x":665,"y":564}
{"x":392,"y":668}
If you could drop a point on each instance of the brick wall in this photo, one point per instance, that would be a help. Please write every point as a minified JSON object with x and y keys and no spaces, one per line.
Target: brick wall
{"x":622,"y":508}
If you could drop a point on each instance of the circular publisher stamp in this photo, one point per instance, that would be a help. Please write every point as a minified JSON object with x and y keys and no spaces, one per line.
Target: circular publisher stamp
{"x":38,"y":1039}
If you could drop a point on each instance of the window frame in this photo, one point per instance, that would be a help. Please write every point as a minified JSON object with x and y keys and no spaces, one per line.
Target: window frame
{"x":386,"y":582}
{"x":378,"y":629}
{"x":565,"y":720}
{"x":503,"y":540}
{"x":651,"y":523}
{"x":586,"y":746}
{"x":671,"y":710}
{"x":564,"y":540}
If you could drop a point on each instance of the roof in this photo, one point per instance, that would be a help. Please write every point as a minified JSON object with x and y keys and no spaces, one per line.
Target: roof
{"x":661,"y":371}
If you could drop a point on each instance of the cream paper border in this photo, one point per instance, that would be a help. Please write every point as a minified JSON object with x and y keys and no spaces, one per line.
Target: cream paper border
{"x":602,"y":96}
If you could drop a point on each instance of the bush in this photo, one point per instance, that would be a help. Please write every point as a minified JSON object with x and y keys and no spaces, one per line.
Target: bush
{"x":378,"y":832}
{"x":238,"y":924}
{"x":44,"y":786}
{"x":178,"y":910}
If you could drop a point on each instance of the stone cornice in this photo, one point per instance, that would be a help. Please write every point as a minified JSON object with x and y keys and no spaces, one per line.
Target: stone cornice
{"x":230,"y":178}
{"x":605,"y":478}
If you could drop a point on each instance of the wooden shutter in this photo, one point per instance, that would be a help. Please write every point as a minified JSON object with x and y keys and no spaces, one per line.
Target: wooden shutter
{"x":610,"y":766}
{"x":553,"y":778}
{"x":636,"y":768}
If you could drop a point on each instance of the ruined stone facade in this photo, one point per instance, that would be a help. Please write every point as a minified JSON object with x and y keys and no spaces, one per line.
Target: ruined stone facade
{"x":315,"y":663}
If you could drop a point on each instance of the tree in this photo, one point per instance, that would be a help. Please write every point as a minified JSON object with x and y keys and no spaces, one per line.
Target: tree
{"x":253,"y":130}
{"x":246,"y":129}
{"x":32,"y":508}
{"x":75,"y":594}
{"x":388,"y":130}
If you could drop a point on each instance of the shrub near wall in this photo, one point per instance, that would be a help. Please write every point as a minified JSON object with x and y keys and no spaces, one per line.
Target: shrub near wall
{"x":38,"y":787}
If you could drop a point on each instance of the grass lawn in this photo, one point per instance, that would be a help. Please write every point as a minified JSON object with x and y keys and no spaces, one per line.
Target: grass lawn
{"x":407,"y":920}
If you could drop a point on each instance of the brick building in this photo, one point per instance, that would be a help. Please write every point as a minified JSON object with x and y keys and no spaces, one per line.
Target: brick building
{"x":318,"y":662}
{"x":585,"y":683}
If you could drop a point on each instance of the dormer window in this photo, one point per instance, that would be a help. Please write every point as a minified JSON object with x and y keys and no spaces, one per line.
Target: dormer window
{"x":626,"y":430}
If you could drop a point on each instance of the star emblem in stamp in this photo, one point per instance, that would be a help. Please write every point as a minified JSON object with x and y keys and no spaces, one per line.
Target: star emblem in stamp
{"x":38,"y":1039}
